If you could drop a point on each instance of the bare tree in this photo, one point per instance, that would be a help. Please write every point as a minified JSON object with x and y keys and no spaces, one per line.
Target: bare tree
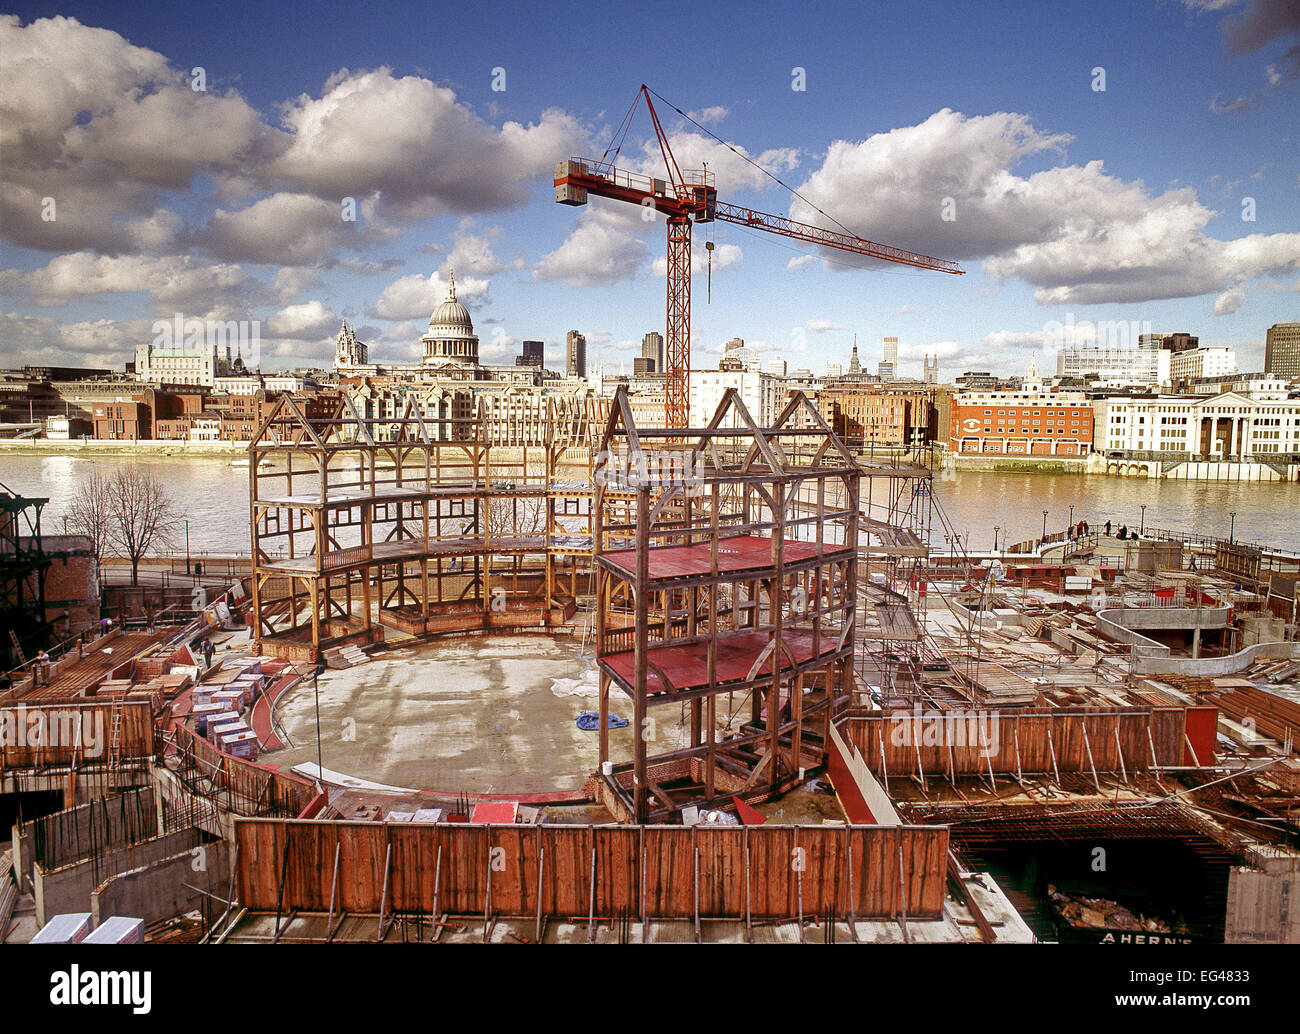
{"x":518,"y":515}
{"x":142,"y":515}
{"x":90,"y":512}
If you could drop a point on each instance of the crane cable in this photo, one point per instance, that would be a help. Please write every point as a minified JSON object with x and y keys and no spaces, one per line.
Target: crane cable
{"x":745,"y":158}
{"x":620,"y":134}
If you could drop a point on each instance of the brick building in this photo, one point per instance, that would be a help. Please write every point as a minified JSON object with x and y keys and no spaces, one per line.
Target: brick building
{"x":71,"y":584}
{"x":130,"y":420}
{"x":1021,"y":423}
{"x":871,"y":414}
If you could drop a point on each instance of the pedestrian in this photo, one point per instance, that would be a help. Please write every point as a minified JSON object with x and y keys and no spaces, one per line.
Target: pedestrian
{"x":1108,"y":528}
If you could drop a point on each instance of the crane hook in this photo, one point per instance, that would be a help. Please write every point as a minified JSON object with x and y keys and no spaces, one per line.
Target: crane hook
{"x":708,"y":247}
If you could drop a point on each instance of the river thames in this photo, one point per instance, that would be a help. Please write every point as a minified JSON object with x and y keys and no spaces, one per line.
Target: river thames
{"x":214,"y":496}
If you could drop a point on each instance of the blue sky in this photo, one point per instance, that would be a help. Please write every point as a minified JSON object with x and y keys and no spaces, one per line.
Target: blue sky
{"x":1071,"y":203}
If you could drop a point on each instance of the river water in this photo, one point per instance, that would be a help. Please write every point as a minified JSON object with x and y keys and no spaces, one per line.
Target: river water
{"x":214,"y":496}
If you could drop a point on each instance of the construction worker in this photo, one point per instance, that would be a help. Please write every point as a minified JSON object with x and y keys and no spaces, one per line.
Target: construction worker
{"x":41,"y":669}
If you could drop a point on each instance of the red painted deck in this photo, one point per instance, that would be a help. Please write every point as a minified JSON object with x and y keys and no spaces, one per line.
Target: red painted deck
{"x":495,"y":811}
{"x":738,"y":554}
{"x":687,"y":666}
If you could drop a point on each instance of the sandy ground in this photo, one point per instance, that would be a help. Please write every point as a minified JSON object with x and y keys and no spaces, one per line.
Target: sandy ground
{"x":476,"y":714}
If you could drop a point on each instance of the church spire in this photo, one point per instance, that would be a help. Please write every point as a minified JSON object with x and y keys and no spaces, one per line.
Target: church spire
{"x":451,"y":285}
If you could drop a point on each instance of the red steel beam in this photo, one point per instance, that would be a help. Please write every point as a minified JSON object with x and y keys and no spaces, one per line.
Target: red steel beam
{"x":831,"y":238}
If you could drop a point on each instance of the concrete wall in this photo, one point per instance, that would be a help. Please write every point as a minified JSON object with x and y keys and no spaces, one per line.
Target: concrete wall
{"x":1264,"y":902}
{"x":69,"y":889}
{"x":1119,"y":624}
{"x":1257,"y":628}
{"x":158,"y":890}
{"x":70,"y":834}
{"x":1227,"y":665}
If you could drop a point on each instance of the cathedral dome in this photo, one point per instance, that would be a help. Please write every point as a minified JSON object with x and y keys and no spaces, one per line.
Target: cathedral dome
{"x":451,"y":337}
{"x":451,"y":316}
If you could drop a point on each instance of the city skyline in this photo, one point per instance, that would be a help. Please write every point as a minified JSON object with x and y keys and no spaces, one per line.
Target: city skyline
{"x":1072,"y":190}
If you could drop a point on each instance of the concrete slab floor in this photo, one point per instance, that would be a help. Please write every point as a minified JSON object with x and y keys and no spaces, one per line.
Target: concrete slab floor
{"x":474,"y":714}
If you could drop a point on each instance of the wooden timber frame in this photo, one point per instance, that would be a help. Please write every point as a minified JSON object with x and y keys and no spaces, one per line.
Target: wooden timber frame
{"x":420,"y":522}
{"x":726,"y":571}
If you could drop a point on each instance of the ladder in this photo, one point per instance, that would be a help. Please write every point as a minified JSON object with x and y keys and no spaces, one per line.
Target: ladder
{"x":115,"y":737}
{"x":18,"y":648}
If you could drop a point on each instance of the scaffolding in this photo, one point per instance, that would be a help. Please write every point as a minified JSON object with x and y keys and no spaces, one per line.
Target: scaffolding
{"x":23,"y":564}
{"x":897,"y":513}
{"x":726,"y":577}
{"x":417,"y":522}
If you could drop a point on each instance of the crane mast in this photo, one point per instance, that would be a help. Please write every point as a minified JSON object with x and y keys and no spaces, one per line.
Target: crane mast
{"x":685,"y":200}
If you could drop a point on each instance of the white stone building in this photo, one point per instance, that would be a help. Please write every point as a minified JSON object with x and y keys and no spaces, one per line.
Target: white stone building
{"x":1146,"y":364}
{"x":1225,"y":426}
{"x":763,"y":394}
{"x":1202,"y":362}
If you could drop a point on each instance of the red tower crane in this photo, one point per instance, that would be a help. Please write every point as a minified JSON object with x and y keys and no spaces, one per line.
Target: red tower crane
{"x":695,"y":200}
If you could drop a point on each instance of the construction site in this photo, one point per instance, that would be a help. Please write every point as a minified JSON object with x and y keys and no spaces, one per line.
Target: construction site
{"x":542,"y":673}
{"x":418,"y":722}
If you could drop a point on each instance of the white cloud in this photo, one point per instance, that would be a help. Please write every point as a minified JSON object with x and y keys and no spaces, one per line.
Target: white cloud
{"x":1075,"y":233}
{"x":710,"y":115}
{"x":285,"y":229}
{"x":726,"y":162}
{"x":896,"y":183}
{"x":823,"y":326}
{"x":801,"y":261}
{"x":724,"y":255}
{"x":103,"y":127}
{"x":473,"y":254}
{"x":307,"y":321}
{"x":43,"y":340}
{"x":291,"y":281}
{"x":175,"y":283}
{"x":601,"y":250}
{"x":1229,"y":301}
{"x":109,"y":130}
{"x":942,"y":349}
{"x":417,"y":147}
{"x":416,"y":296}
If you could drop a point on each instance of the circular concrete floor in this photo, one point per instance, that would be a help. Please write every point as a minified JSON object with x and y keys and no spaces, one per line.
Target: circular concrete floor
{"x":472,"y":714}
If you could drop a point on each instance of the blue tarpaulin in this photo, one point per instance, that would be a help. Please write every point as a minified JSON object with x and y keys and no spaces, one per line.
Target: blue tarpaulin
{"x":590,"y":721}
